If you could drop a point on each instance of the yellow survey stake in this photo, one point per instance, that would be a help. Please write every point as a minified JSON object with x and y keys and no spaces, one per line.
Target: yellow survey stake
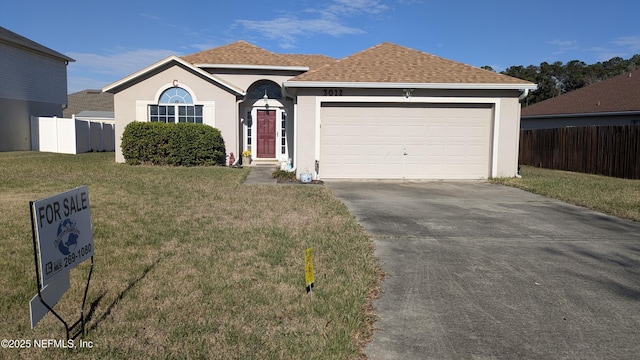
{"x":308,"y":268}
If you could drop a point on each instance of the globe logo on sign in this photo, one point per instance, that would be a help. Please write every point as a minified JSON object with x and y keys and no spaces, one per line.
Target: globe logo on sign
{"x":67,"y":239}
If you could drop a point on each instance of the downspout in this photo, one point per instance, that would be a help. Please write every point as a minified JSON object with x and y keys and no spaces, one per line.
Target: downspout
{"x":523,"y":95}
{"x":294,"y":161}
{"x":237,"y":127}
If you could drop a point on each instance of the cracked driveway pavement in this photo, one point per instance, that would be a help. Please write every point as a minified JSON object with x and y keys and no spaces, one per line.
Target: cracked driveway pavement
{"x":482,"y":271}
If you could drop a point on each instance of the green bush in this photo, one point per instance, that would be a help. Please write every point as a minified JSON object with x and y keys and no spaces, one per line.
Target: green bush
{"x":182,"y":144}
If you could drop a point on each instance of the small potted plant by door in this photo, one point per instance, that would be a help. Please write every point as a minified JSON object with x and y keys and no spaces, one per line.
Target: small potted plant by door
{"x":246,"y":157}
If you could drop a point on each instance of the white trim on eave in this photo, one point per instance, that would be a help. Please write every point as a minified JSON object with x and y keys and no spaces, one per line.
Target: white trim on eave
{"x":605,"y":113}
{"x":390,"y":85}
{"x":165,"y":61}
{"x":253,"y":67}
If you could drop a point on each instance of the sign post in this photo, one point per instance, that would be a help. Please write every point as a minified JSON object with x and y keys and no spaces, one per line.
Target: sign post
{"x":62,"y":239}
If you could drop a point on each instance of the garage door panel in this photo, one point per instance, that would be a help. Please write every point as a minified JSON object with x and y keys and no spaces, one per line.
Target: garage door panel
{"x":395,"y":142}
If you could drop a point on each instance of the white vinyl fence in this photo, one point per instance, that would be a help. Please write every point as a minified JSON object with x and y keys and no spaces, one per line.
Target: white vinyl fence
{"x":71,"y":136}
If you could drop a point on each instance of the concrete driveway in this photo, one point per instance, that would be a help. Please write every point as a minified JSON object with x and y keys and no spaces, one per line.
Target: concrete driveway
{"x":482,"y":271}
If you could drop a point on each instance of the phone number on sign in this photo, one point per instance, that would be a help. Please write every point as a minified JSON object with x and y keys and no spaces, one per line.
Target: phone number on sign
{"x":44,"y":344}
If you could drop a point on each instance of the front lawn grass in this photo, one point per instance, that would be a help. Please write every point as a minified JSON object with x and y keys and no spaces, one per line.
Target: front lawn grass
{"x":614,"y":196}
{"x":189,"y":263}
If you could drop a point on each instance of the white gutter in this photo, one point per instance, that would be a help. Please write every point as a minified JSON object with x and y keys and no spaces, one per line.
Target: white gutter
{"x":385,"y":85}
{"x":525,"y":93}
{"x":253,"y":67}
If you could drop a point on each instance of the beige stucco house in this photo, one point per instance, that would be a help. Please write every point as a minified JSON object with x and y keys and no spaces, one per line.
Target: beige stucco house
{"x":387,"y":112}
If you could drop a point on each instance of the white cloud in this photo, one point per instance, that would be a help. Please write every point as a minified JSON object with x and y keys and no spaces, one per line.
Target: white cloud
{"x":342,"y":8}
{"x":152,"y":17}
{"x":78,"y":83}
{"x":94,"y":71}
{"x":604,"y":54}
{"x":630,"y":42}
{"x":202,"y":46}
{"x":330,"y":20}
{"x":117,"y":62}
{"x":287,"y":29}
{"x":564,"y":43}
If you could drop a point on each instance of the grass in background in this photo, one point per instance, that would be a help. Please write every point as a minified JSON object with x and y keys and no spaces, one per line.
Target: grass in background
{"x":189,"y":263}
{"x":614,"y":196}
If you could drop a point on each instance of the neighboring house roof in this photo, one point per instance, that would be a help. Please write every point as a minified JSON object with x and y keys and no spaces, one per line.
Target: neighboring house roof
{"x":16,"y":40}
{"x":243,"y":53}
{"x":392,"y":63}
{"x":96,"y":114}
{"x":88,"y":100}
{"x":614,"y":95}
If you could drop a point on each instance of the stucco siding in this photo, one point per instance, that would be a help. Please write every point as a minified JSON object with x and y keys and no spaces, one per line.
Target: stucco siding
{"x":131,"y":103}
{"x":504,"y":119}
{"x":245,"y":80}
{"x":306,"y":132}
{"x":508,"y":117}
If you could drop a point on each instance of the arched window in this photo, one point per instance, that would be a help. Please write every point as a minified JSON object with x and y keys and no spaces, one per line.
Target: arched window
{"x":175,"y":105}
{"x":272,"y":90}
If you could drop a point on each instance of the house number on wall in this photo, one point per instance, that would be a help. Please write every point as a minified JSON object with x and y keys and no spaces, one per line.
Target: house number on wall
{"x":332,"y":92}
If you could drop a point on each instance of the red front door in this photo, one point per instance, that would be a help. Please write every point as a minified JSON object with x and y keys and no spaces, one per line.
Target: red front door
{"x":266,"y":134}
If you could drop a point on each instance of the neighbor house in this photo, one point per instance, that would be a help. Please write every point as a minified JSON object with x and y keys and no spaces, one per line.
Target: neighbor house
{"x":387,"y":112}
{"x":34,"y":83}
{"x":615,"y":101}
{"x":90,"y":105}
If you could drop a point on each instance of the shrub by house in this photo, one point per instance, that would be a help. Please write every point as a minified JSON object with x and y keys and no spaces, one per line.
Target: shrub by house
{"x":181,"y":144}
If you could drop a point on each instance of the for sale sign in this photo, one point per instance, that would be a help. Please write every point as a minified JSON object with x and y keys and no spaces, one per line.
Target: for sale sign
{"x":64,"y":232}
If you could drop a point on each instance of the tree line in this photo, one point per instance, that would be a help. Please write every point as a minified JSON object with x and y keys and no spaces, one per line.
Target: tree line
{"x":557,"y":78}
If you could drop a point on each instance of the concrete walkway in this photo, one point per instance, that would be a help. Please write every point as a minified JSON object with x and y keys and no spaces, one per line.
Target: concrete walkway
{"x":261,"y":175}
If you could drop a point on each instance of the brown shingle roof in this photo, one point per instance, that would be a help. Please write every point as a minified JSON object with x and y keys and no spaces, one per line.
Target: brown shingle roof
{"x":88,"y":100}
{"x":243,"y":53}
{"x":392,"y":63}
{"x":312,"y":61}
{"x":386,"y":62}
{"x":618,"y":94}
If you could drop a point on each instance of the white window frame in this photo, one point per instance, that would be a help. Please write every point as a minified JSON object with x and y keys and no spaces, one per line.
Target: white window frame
{"x":208,"y":107}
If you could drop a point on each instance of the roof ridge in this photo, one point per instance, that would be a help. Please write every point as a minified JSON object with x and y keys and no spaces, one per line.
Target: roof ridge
{"x":409,"y":65}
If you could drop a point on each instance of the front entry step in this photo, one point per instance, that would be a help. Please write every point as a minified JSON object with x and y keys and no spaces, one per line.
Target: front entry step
{"x":265,"y":163}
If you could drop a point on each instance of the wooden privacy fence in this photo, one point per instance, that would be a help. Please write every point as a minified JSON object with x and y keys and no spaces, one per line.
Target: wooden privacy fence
{"x":604,"y":150}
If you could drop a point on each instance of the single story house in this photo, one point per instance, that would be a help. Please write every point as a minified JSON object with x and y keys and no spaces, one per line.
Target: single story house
{"x":387,"y":112}
{"x":615,"y":101}
{"x":34,"y":83}
{"x":90,"y":105}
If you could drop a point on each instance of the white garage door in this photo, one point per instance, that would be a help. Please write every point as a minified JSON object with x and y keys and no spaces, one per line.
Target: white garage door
{"x":368,"y":141}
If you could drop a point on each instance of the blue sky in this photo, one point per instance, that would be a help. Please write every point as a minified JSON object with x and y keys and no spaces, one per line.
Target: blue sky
{"x":112,"y":39}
